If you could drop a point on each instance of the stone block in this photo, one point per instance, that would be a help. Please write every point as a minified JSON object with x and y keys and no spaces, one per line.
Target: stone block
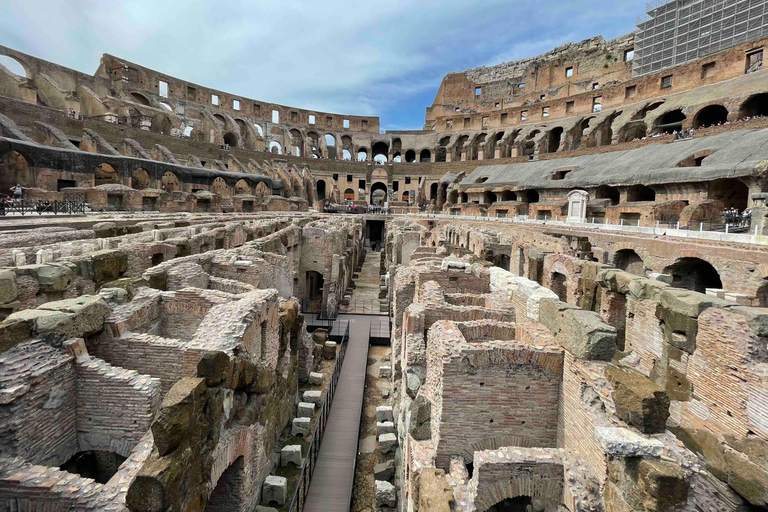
{"x":385,"y":372}
{"x":274,"y":491}
{"x":305,"y":410}
{"x":313,"y":397}
{"x":52,"y":278}
{"x":291,"y":454}
{"x":316,"y":379}
{"x":320,"y":336}
{"x":583,"y":333}
{"x":387,"y":443}
{"x":89,"y":312}
{"x":686,"y":302}
{"x":639,"y":401}
{"x":214,"y":367}
{"x":8,"y":291}
{"x":419,"y":419}
{"x":384,"y":413}
{"x":300,"y":427}
{"x":622,"y":442}
{"x":329,"y":350}
{"x":385,"y":427}
{"x":384,"y":471}
{"x":178,"y":415}
{"x":385,"y":494}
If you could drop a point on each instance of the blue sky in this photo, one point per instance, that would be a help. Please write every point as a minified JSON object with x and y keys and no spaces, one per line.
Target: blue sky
{"x":383,"y":58}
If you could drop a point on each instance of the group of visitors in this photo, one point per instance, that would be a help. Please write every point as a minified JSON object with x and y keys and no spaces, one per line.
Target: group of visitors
{"x":734,"y":218}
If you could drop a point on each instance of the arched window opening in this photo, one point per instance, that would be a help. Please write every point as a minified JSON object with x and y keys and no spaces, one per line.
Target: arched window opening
{"x":445,"y":141}
{"x":320,"y":190}
{"x":425,"y":156}
{"x":378,"y":193}
{"x":105,"y":173}
{"x":755,"y":106}
{"x":517,"y":504}
{"x":140,"y":98}
{"x":315,"y":283}
{"x":508,"y":195}
{"x":694,"y":274}
{"x":433,"y":191}
{"x":397,"y":157}
{"x":632,"y":131}
{"x":346,"y":155}
{"x":220,"y":118}
{"x":188,"y":131}
{"x":380,"y":152}
{"x":406,"y":196}
{"x":606,"y":192}
{"x":259,"y":129}
{"x":558,"y":285}
{"x":230,"y":139}
{"x":629,"y":261}
{"x":13,"y":66}
{"x":228,"y":493}
{"x":489,"y":197}
{"x":531,"y":196}
{"x":732,"y":192}
{"x":670,"y":122}
{"x":410,"y":156}
{"x":349,"y":195}
{"x":362,"y":155}
{"x":640,"y":193}
{"x":243,"y":128}
{"x":441,"y":155}
{"x":275,"y":148}
{"x":553,"y":139}
{"x":711,"y":115}
{"x":140,"y":179}
{"x":330,"y":140}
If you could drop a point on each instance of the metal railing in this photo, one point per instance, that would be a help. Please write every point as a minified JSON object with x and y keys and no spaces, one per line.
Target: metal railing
{"x":24,"y":207}
{"x":308,"y":466}
{"x":319,"y":308}
{"x":364,"y":307}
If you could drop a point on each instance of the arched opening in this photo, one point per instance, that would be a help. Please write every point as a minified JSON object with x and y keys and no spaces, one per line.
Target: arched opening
{"x":13,"y":66}
{"x":694,"y":274}
{"x":633,"y":130}
{"x":463,"y":198}
{"x":259,"y":129}
{"x":98,"y":465}
{"x":410,"y":156}
{"x":489,"y":197}
{"x":362,"y":155}
{"x":320,"y":186}
{"x":140,"y":179}
{"x":14,"y":169}
{"x":170,"y":182}
{"x":219,"y":186}
{"x":517,"y":504}
{"x":227,"y":495}
{"x":629,"y":261}
{"x":755,"y":106}
{"x":275,"y":148}
{"x":242,"y":187}
{"x":380,"y":151}
{"x":378,"y":193}
{"x":105,"y":173}
{"x":711,"y":115}
{"x":640,"y":193}
{"x":406,"y":196}
{"x":558,"y":285}
{"x":346,"y":155}
{"x":433,"y":191}
{"x":220,"y":119}
{"x":230,"y":139}
{"x":315,"y":283}
{"x":349,"y":195}
{"x":188,"y":131}
{"x":671,"y":121}
{"x":606,"y":192}
{"x":166,"y":106}
{"x":140,"y":98}
{"x":425,"y":155}
{"x":553,"y":139}
{"x":161,"y":124}
{"x":732,"y":192}
{"x":243,"y":128}
{"x":531,"y":196}
{"x":508,"y":195}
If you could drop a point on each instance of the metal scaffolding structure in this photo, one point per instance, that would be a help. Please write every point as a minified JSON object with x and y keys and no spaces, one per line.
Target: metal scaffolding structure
{"x":676,"y":32}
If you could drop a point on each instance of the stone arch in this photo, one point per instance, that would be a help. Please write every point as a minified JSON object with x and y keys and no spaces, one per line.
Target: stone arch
{"x":554,"y":137}
{"x":608,"y":192}
{"x":105,"y":174}
{"x":321,"y":190}
{"x":670,"y":121}
{"x":710,"y":115}
{"x":410,"y":156}
{"x":349,"y":194}
{"x":754,"y":106}
{"x":262,"y":190}
{"x":508,"y":195}
{"x":140,"y":179}
{"x":362,"y":154}
{"x":731,"y":191}
{"x":242,"y":187}
{"x":380,"y":152}
{"x":275,"y":148}
{"x":140,"y":98}
{"x":170,"y":182}
{"x":230,"y":139}
{"x":15,"y":66}
{"x":425,"y":155}
{"x":15,"y":168}
{"x":433,"y":191}
{"x":229,"y":493}
{"x":381,"y":197}
{"x":694,"y":274}
{"x":629,"y":261}
{"x":640,"y":193}
{"x":632,"y":130}
{"x":219,"y":186}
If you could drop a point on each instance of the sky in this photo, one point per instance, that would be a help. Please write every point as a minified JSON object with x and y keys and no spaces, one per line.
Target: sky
{"x":365,"y":57}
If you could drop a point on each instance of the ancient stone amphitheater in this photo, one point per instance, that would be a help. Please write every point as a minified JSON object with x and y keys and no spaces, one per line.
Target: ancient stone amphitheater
{"x":552,"y":297}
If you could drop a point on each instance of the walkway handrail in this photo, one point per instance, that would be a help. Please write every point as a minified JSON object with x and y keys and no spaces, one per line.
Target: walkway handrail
{"x":308,"y":466}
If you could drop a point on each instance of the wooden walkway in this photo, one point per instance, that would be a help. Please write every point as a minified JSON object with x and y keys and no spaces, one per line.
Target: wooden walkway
{"x":331,"y":486}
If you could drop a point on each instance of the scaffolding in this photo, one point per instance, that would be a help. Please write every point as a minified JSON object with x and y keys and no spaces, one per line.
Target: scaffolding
{"x":676,"y":32}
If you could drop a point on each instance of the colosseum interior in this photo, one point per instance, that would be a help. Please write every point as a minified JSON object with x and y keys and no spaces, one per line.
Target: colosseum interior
{"x":553,"y":297}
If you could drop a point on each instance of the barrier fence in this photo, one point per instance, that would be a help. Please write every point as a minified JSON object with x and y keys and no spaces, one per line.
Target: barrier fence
{"x":313,"y":450}
{"x":23,"y":207}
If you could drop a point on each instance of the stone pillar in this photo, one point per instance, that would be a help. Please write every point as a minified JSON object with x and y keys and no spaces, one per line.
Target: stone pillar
{"x":759,"y":220}
{"x":577,"y":206}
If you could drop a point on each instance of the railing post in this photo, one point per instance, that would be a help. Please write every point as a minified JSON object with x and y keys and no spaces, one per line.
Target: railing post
{"x":701,"y":226}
